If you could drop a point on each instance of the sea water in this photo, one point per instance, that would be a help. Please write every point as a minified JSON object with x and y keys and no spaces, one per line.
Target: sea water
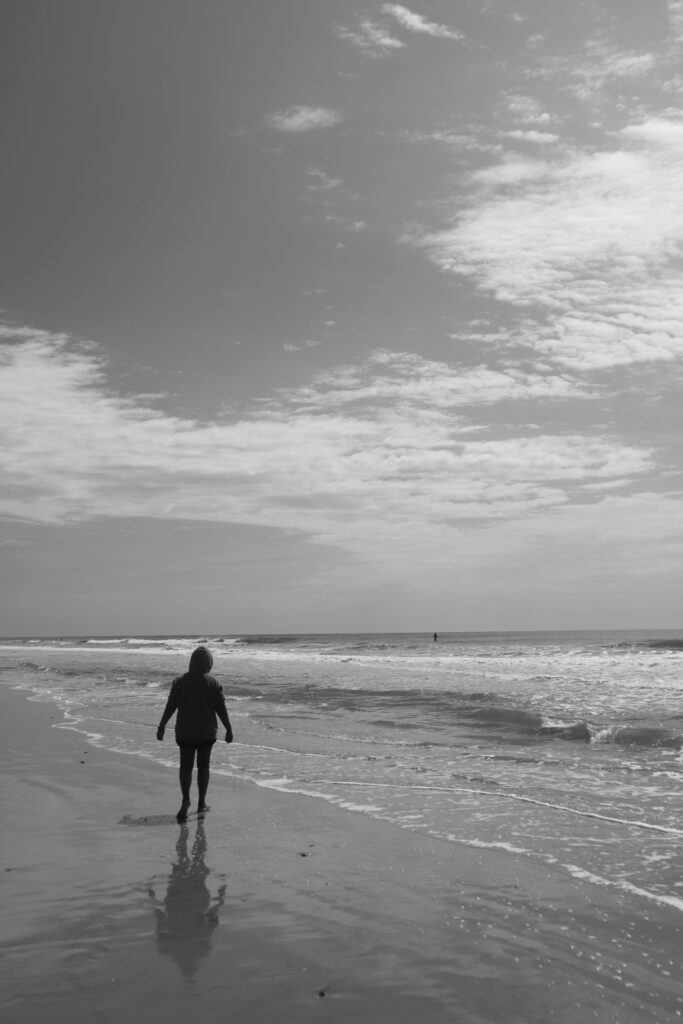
{"x":563,"y":747}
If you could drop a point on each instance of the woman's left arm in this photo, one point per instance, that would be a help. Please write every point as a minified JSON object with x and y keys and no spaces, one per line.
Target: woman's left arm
{"x":222,"y":712}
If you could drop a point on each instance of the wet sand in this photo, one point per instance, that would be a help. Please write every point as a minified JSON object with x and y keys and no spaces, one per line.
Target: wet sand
{"x":276,"y":907}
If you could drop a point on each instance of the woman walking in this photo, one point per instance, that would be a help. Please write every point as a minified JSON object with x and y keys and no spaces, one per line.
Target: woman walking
{"x":198,"y":699}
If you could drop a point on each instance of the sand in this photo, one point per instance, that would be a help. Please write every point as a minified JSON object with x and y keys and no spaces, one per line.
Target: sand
{"x":278,"y":907}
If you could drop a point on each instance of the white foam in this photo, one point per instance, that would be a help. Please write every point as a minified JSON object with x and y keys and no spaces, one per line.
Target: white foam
{"x":555,"y":723}
{"x":499,"y":794}
{"x":573,"y":869}
{"x":119,"y":649}
{"x":620,"y":883}
{"x":480,"y":845}
{"x":287,"y":786}
{"x":95,"y":738}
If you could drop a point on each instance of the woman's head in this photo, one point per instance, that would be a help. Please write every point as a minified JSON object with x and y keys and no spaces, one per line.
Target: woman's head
{"x":201,"y":660}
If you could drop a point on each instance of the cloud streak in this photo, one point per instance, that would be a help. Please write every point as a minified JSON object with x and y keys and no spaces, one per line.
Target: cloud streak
{"x":297,"y":120}
{"x":417,"y":23}
{"x":370,"y":38}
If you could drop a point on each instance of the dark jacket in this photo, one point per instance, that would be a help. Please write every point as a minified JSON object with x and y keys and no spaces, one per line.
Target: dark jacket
{"x":197,"y":699}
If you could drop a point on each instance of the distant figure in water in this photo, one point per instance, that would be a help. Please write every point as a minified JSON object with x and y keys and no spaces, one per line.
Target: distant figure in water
{"x":198,"y":699}
{"x":436,"y":637}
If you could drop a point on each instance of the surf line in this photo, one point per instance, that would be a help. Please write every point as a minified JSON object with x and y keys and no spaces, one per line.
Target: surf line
{"x":511,"y":796}
{"x":621,"y":883}
{"x":580,"y":873}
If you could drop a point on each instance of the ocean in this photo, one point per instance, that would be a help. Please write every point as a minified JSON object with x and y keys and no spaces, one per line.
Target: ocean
{"x":562,"y":747}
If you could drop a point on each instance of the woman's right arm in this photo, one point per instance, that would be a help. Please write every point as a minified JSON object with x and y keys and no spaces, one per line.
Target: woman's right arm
{"x":169,"y":710}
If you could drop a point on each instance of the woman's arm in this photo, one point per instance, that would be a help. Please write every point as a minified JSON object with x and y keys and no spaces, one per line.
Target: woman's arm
{"x":222,"y":712}
{"x":169,"y":711}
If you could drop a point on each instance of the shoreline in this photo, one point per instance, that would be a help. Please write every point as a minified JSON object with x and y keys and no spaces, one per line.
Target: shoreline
{"x":278,"y":905}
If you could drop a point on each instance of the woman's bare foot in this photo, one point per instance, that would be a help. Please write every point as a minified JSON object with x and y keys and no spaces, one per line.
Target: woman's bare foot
{"x":182,"y":813}
{"x":202,"y":808}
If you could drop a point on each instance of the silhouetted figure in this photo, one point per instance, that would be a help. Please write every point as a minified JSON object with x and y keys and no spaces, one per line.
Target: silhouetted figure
{"x":198,"y":699}
{"x":436,"y":637}
{"x":188,"y":916}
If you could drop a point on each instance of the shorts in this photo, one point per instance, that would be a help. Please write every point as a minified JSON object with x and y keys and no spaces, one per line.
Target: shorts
{"x":202,"y":750}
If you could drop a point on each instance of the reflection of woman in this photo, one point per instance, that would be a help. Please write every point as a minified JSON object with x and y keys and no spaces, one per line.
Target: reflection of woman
{"x":197,"y":698}
{"x":189,"y":914}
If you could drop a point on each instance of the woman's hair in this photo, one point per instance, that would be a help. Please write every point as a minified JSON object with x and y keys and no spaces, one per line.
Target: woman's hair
{"x":201,"y":661}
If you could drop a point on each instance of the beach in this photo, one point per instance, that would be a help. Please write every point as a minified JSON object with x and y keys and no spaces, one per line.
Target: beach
{"x":278,"y":906}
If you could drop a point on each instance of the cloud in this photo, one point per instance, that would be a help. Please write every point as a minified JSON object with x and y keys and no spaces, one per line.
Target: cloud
{"x":527,"y":110}
{"x":460,"y":141}
{"x":345,"y":222}
{"x":404,"y":377}
{"x":370,"y":38}
{"x":588,"y":242}
{"x":590,"y":553}
{"x":675,"y":14}
{"x":319,"y":181}
{"x":373,"y":39}
{"x":609,"y":79}
{"x":603,"y":63}
{"x":296,"y":120}
{"x":388,"y":442}
{"x":290,"y":346}
{"x":417,"y":23}
{"x":540,"y":138}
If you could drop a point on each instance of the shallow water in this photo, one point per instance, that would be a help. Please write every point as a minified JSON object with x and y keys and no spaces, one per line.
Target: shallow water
{"x":565,"y":747}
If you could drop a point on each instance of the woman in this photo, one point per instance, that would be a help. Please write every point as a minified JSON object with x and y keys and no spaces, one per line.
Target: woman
{"x":197,"y":698}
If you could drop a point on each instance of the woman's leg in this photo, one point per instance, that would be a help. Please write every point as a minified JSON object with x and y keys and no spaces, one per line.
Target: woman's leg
{"x":185,"y":776}
{"x":203,"y":759}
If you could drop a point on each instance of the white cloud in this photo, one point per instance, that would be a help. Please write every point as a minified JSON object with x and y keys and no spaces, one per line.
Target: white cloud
{"x":388,"y":442}
{"x":588,"y":242}
{"x":675,"y":13}
{"x":603,"y":63}
{"x":514,"y":170}
{"x":290,"y":346}
{"x":296,"y":120}
{"x":345,"y":222}
{"x":460,"y":141}
{"x":371,"y":38}
{"x":417,"y":23}
{"x":606,"y":485}
{"x":321,"y":181}
{"x":527,"y":110}
{"x":407,"y":378}
{"x":674,"y":84}
{"x":542,"y":138}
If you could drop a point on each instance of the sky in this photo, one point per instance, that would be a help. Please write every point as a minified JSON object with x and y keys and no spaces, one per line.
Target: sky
{"x":318,"y":316}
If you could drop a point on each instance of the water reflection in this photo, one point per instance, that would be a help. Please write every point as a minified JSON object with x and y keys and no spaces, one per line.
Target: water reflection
{"x":188,"y":916}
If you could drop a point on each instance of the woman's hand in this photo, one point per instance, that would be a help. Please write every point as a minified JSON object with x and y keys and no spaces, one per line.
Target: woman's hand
{"x":160,"y":732}
{"x":228,"y":736}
